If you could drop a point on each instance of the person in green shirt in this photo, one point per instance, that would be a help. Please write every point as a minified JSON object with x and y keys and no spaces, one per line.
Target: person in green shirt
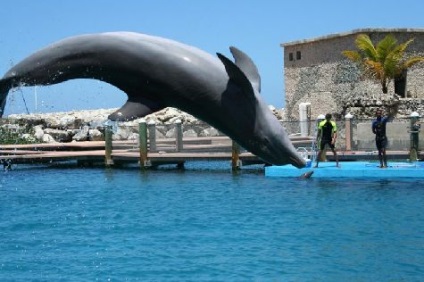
{"x":327,"y":135}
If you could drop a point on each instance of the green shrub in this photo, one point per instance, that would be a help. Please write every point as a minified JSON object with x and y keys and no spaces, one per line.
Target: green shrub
{"x":13,"y":136}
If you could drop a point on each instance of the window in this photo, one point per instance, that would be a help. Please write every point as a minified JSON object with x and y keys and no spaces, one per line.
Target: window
{"x":400,"y":84}
{"x":298,"y":55}
{"x":290,"y":56}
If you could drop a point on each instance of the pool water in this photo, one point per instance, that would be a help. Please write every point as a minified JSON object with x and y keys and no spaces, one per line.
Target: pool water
{"x":205,"y":223}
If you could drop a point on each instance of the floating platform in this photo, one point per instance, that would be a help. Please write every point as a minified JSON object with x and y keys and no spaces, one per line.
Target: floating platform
{"x":355,"y":169}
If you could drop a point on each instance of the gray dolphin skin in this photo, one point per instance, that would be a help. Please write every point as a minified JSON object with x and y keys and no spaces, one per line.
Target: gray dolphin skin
{"x":306,"y":175}
{"x":156,"y":73}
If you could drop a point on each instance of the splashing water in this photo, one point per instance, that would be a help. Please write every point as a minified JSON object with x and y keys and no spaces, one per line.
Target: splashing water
{"x":111,"y":123}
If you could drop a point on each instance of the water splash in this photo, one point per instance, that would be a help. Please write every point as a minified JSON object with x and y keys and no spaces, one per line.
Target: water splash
{"x":111,"y":123}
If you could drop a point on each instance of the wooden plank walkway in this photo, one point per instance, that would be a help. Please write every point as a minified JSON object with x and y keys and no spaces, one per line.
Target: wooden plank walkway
{"x":124,"y":152}
{"x":127,"y":152}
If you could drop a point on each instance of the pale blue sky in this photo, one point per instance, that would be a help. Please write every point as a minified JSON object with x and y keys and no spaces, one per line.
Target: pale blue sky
{"x":257,"y":27}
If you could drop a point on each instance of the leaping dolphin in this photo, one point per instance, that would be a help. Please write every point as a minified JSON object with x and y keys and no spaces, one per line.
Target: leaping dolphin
{"x":156,"y":73}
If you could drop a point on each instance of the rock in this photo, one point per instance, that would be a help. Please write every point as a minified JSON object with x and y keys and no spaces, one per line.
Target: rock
{"x":170,"y":133}
{"x":121,"y":133}
{"x":59,"y":135}
{"x":67,"y":121}
{"x":159,"y":134}
{"x":82,"y":135}
{"x":190,"y":133}
{"x":38,"y":132}
{"x":95,"y":135}
{"x":48,"y":139}
{"x":133,"y":136}
{"x":209,"y":132}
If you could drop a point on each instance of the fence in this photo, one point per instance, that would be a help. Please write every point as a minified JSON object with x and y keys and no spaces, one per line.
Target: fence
{"x":353,"y":134}
{"x":357,"y":135}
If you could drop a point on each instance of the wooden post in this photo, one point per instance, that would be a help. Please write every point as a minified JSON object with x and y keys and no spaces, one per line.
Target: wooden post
{"x":108,"y":145}
{"x":348,"y":131}
{"x":235,"y":156}
{"x":152,"y":136}
{"x":144,"y":162}
{"x":178,"y":135}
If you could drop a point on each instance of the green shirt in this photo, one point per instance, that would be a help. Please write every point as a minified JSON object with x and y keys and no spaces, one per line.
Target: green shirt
{"x":327,"y":128}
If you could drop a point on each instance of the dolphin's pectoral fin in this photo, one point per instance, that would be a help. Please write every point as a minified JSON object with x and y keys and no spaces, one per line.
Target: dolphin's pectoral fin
{"x":245,"y":63}
{"x":4,"y":90}
{"x":237,"y":76}
{"x":132,"y":110}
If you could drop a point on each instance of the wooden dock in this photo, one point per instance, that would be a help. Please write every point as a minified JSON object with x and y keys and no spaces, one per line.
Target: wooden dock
{"x":124,"y":152}
{"x":89,"y":153}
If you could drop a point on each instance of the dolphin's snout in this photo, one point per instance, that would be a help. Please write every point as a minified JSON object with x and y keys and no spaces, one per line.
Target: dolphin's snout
{"x":297,"y":161}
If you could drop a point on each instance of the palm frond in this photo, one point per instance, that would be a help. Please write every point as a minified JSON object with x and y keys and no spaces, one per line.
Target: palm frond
{"x":354,"y":56}
{"x":364,"y":43}
{"x":412,"y":61}
{"x":383,"y":62}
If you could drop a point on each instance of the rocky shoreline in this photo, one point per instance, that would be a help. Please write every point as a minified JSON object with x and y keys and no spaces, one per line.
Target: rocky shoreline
{"x":89,"y":125}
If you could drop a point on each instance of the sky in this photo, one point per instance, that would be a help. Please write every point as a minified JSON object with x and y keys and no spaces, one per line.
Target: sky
{"x":257,"y":27}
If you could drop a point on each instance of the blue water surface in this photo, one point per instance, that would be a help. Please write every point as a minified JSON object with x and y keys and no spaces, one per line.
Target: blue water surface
{"x":205,"y":223}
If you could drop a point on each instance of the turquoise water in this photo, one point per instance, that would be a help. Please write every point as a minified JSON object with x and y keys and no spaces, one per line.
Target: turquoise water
{"x":206,"y":224}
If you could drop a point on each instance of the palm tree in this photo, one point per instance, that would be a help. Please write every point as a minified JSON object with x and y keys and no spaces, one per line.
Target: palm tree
{"x":385,"y":61}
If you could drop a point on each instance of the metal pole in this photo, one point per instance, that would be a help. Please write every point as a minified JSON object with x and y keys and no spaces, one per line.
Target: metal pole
{"x":178,"y":135}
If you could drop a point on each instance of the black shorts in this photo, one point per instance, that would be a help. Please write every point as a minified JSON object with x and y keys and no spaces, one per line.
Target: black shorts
{"x":325,"y":142}
{"x":381,"y":142}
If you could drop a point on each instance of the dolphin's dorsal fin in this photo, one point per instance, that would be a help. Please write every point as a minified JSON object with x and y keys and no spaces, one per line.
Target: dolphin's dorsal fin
{"x":237,"y":75}
{"x":245,"y":63}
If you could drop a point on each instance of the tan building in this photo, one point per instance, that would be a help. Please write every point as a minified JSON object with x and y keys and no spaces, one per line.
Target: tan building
{"x":316,"y":72}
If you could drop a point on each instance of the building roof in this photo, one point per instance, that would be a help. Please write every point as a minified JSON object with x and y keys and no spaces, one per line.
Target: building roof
{"x":355,"y":31}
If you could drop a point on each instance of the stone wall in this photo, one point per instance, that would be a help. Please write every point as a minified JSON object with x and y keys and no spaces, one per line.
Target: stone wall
{"x":331,"y":94}
{"x":322,"y":76}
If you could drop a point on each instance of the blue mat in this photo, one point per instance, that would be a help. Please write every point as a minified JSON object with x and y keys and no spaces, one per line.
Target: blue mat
{"x":352,"y":170}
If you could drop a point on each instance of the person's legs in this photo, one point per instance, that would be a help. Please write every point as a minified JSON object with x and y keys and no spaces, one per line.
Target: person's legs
{"x":379,"y":145}
{"x":383,"y":151}
{"x":380,"y":157}
{"x":317,"y":159}
{"x":335,"y":156}
{"x":384,"y":157}
{"x":321,"y":149}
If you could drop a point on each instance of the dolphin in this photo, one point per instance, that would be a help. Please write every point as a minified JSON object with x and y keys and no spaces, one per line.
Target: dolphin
{"x":155,"y":73}
{"x":306,"y":175}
